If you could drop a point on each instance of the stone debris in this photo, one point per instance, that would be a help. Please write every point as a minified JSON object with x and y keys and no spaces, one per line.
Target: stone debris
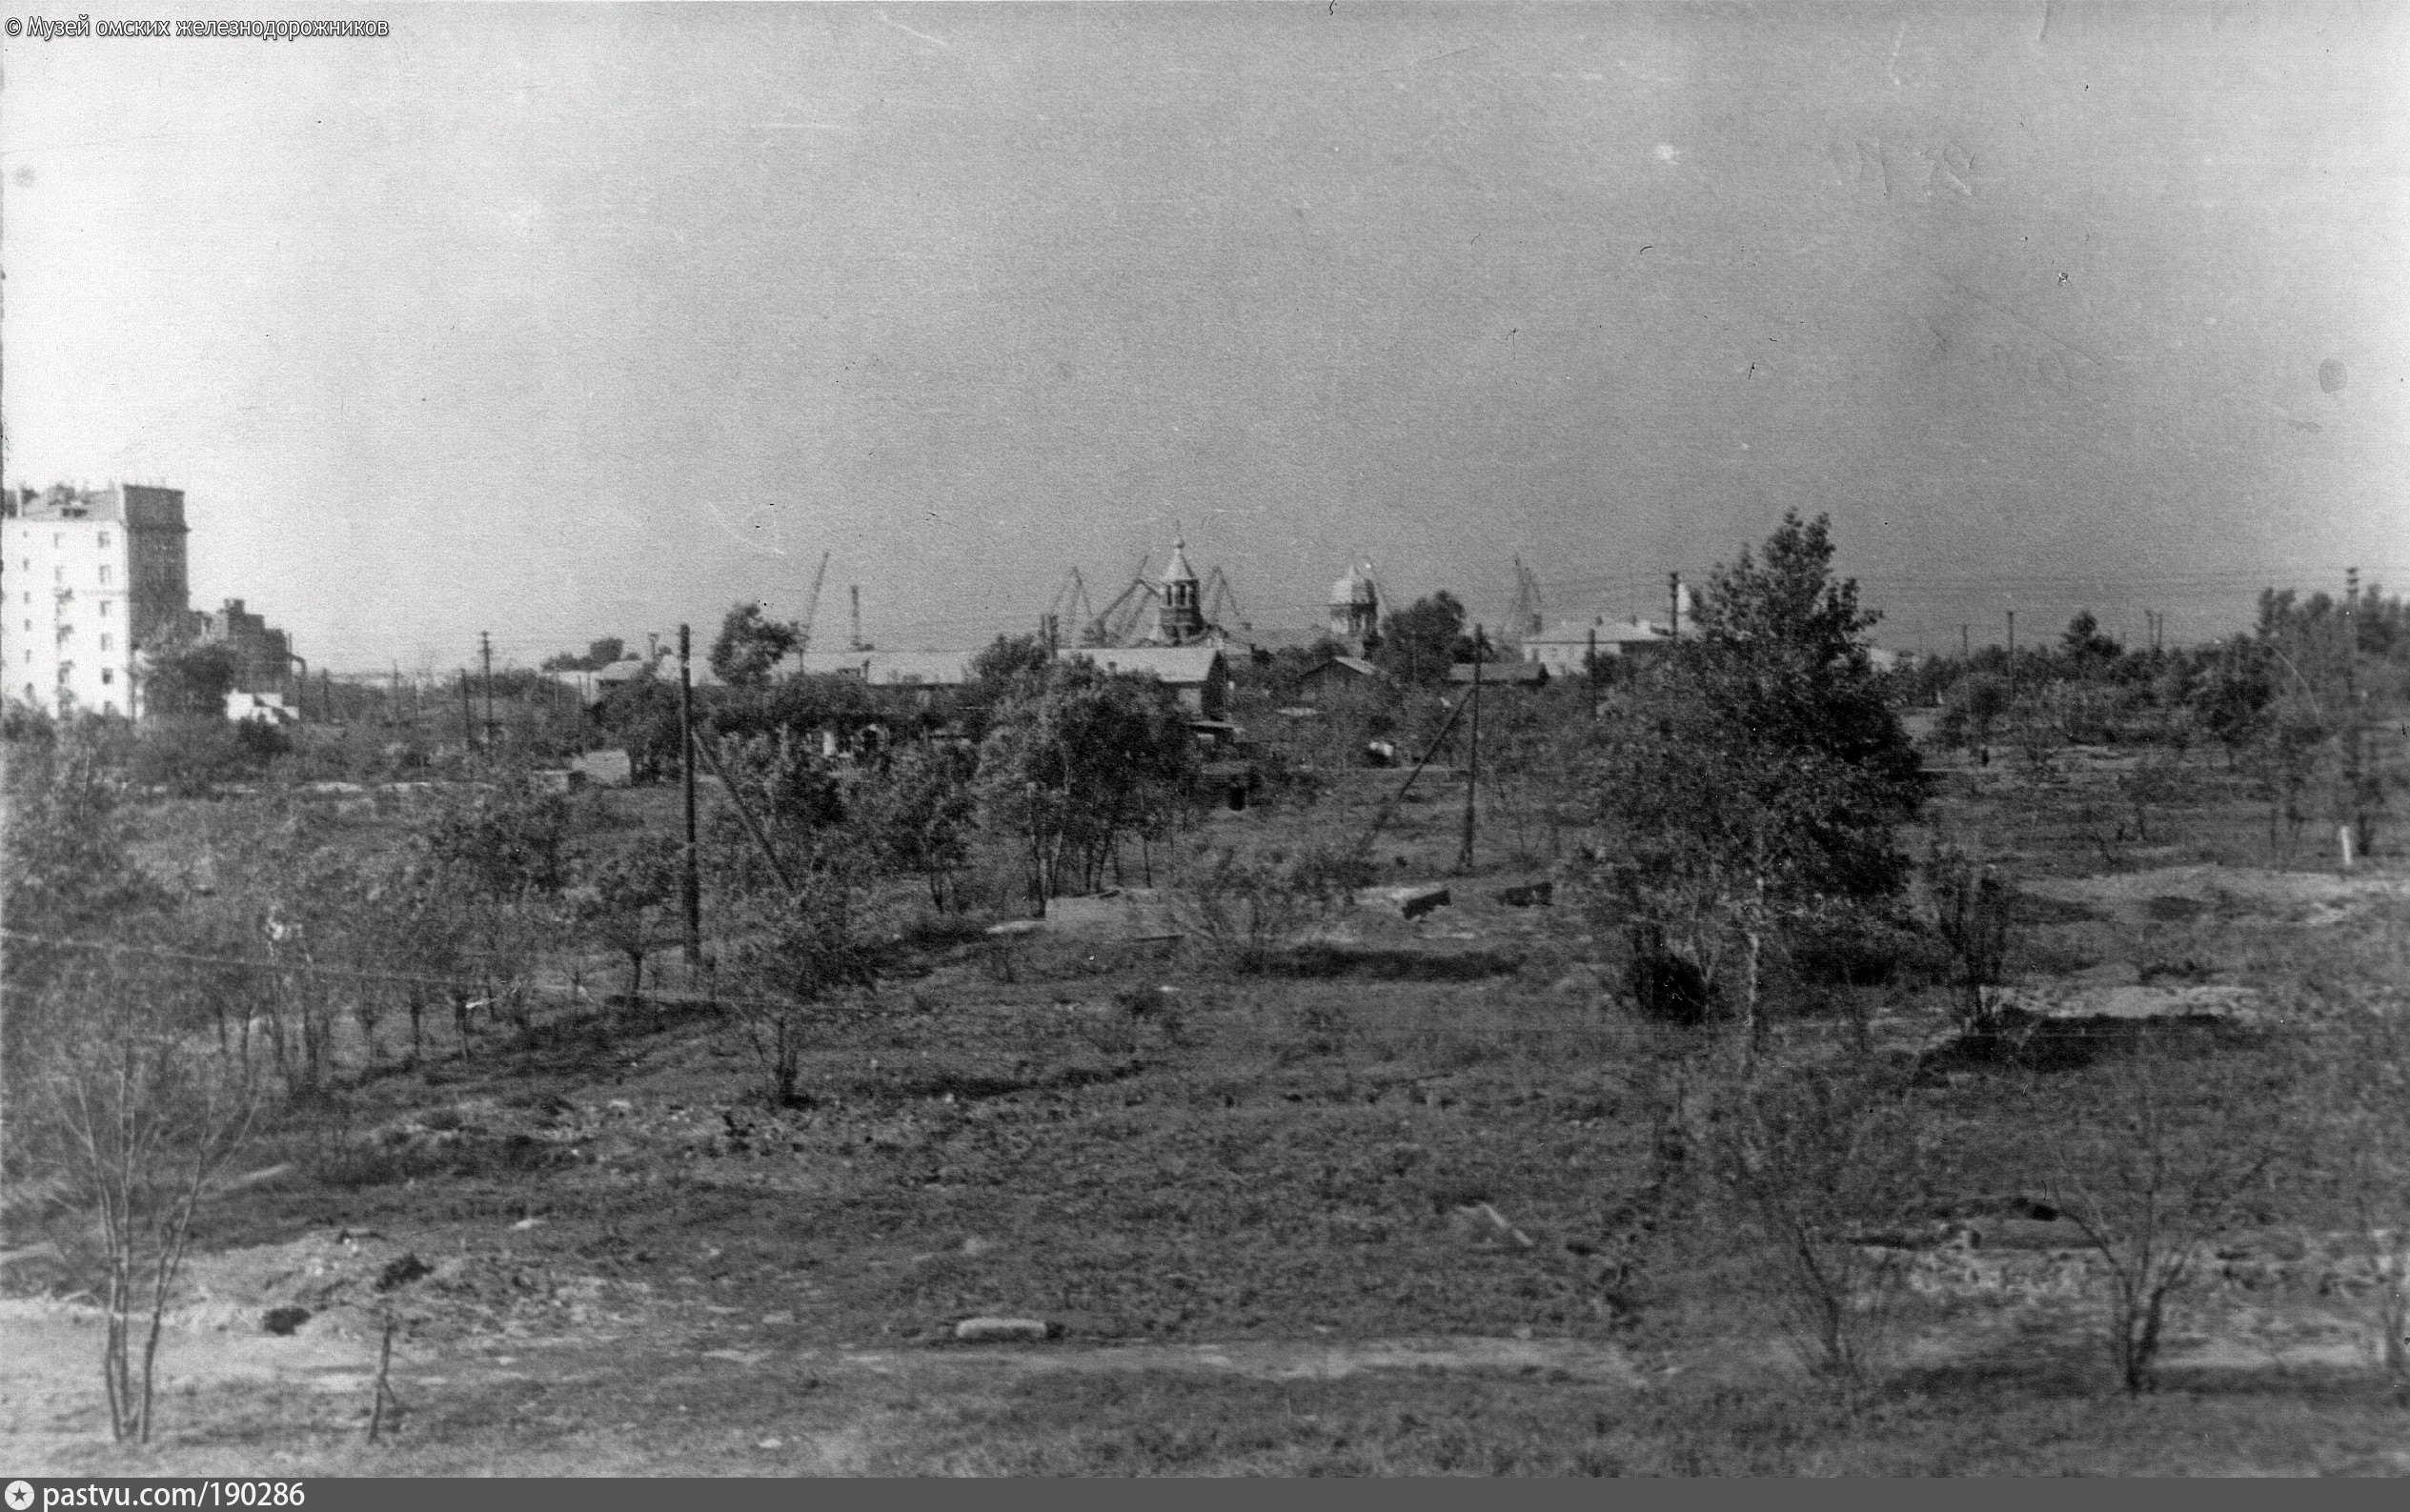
{"x":1489,"y":1228}
{"x":1409,"y":899}
{"x":2136,"y":1001}
{"x":1121,"y":912}
{"x":1006,"y":1331}
{"x":2319,"y":897}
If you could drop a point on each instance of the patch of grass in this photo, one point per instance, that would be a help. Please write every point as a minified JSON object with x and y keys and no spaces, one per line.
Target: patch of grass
{"x":1527,"y":1424}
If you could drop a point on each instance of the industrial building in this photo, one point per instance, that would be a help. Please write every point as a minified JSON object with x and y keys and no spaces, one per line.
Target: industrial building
{"x":1198,"y":676}
{"x":1566,"y":650}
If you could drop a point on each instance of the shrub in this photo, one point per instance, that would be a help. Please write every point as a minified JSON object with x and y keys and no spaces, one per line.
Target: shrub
{"x":1811,"y":1157}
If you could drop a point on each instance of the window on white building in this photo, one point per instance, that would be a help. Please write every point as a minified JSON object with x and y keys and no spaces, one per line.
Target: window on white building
{"x":104,"y":609}
{"x":103,"y":540}
{"x":107,"y":674}
{"x":104,"y":577}
{"x":103,"y":645}
{"x":108,"y":706}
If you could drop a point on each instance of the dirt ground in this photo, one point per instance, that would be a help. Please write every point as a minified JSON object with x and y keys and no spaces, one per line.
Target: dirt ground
{"x":1376,"y":1215}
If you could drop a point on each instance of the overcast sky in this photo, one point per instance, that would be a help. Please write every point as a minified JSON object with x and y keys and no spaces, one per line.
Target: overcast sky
{"x":573,"y":320}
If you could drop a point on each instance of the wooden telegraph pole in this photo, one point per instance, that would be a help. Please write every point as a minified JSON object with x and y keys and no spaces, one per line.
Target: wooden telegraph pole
{"x":1473,"y":766}
{"x":694,"y":884}
{"x":2352,"y":755}
{"x":485,"y":649}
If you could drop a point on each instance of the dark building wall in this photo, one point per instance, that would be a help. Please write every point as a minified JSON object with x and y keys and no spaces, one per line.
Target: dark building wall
{"x":261,"y":653}
{"x":160,"y":594}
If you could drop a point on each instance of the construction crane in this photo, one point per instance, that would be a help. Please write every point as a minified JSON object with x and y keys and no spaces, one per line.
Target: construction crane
{"x":1221,"y":612}
{"x":1118,"y":619}
{"x":1070,"y":602}
{"x":811,"y":608}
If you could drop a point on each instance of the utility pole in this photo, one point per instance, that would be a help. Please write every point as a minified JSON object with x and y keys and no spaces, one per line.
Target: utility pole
{"x":485,"y":649}
{"x":694,"y":888}
{"x":2351,"y":699}
{"x":854,"y":644}
{"x":468,"y":726}
{"x":1472,"y":768}
{"x":1674,"y":601}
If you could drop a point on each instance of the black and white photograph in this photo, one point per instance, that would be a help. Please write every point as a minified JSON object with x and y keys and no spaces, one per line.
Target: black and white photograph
{"x":1197,"y":739}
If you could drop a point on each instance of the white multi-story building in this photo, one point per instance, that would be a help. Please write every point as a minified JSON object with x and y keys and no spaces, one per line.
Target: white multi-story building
{"x":87,"y":580}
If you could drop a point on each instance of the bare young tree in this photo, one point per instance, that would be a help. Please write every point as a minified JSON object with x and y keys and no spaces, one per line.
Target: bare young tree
{"x":2151,"y":1158}
{"x":789,"y":970}
{"x":1972,"y":915}
{"x":2361,"y":1102}
{"x":1809,"y":1155}
{"x":135,"y":1121}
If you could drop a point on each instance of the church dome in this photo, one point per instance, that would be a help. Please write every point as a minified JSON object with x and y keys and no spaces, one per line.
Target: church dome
{"x":1353,"y":588}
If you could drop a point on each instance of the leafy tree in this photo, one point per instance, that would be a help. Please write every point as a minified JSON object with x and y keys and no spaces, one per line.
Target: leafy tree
{"x":1421,"y":642}
{"x":794,"y":709}
{"x":621,"y":897}
{"x":798,"y":803}
{"x":191,"y":679}
{"x":69,"y":877}
{"x":750,"y":645}
{"x":1010,"y":656}
{"x":1757,"y":779}
{"x":600,"y":654}
{"x":503,"y":839}
{"x":643,"y":715}
{"x":1080,"y":763}
{"x":921,"y":816}
{"x":802,"y":953}
{"x":2086,"y":649}
{"x":1971,"y":707}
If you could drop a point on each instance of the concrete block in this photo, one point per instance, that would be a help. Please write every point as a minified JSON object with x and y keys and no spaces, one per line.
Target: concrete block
{"x":1410,"y":899}
{"x":1528,"y":895}
{"x":1006,"y":1331}
{"x":604,"y":769}
{"x":1126,"y":913}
